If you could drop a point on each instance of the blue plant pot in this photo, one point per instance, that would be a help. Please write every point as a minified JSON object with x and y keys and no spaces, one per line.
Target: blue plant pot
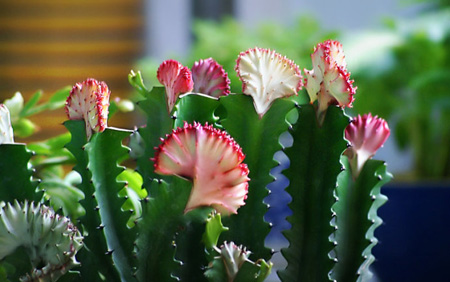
{"x":414,"y":241}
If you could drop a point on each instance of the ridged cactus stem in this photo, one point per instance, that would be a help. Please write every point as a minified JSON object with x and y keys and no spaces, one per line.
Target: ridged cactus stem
{"x":162,"y":218}
{"x":356,"y":219}
{"x":94,"y":256}
{"x":16,"y":181}
{"x":104,"y":151}
{"x":159,"y":123}
{"x":259,"y":139}
{"x":314,"y":167}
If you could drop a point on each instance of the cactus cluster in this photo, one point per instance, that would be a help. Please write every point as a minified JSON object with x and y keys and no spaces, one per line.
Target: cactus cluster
{"x":194,"y":207}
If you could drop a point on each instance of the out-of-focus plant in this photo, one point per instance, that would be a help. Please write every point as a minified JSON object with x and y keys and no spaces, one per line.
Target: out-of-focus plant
{"x":223,"y":40}
{"x":410,"y":87}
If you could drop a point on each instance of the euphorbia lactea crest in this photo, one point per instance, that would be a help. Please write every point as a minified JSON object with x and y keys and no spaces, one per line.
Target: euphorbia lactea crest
{"x":266,"y":76}
{"x":89,"y":101}
{"x":212,"y":160}
{"x":177,"y":80}
{"x":6,"y":131}
{"x":366,"y":135}
{"x":328,"y":81}
{"x":210,"y":78}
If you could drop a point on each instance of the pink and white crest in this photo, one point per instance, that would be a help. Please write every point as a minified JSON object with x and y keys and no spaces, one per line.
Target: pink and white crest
{"x":177,"y":80}
{"x":89,"y":101}
{"x":210,"y":78}
{"x":328,"y":81}
{"x":266,"y":76}
{"x":366,"y":134}
{"x":212,"y":160}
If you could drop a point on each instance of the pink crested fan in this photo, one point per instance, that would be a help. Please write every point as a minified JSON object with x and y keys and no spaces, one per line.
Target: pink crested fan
{"x":366,"y":135}
{"x":89,"y":101}
{"x":210,"y":78}
{"x":177,"y":80}
{"x":328,"y":81}
{"x":212,"y":160}
{"x":266,"y":76}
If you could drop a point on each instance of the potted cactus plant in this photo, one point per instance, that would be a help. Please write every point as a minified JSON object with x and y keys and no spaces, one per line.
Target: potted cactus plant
{"x":190,"y":206}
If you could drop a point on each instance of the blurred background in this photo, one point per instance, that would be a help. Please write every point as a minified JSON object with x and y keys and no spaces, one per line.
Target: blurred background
{"x":397,"y":52}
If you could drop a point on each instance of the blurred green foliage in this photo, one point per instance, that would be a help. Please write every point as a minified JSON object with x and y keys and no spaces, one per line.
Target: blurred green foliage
{"x":224,"y":40}
{"x":411,"y":91}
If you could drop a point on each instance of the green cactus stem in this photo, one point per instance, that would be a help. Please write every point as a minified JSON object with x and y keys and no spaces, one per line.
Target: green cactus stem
{"x":50,"y":241}
{"x":195,"y":107}
{"x":314,"y":167}
{"x":159,"y":123}
{"x":96,"y":263}
{"x":104,"y":151}
{"x":356,"y":219}
{"x":259,"y":140}
{"x":162,"y":216}
{"x":16,"y":181}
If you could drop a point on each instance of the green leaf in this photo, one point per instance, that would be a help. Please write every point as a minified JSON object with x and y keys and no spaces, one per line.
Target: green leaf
{"x":259,"y":139}
{"x":96,"y":263}
{"x":56,"y":101}
{"x":356,"y":219}
{"x":15,"y":175}
{"x":31,"y":103}
{"x":214,"y":228}
{"x":23,"y":127}
{"x":314,"y":166}
{"x":133,"y":192}
{"x":104,"y":150}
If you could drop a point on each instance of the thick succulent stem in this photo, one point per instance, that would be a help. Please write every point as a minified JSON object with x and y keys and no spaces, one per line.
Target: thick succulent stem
{"x":356,"y":219}
{"x":314,"y":167}
{"x":259,"y":140}
{"x":15,"y":175}
{"x":94,"y":257}
{"x":162,"y":214}
{"x":104,"y":150}
{"x":159,"y":123}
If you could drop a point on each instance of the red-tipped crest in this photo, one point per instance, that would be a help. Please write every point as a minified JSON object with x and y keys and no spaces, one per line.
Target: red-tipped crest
{"x":366,"y":134}
{"x":210,"y":78}
{"x":328,"y":81}
{"x":212,"y":160}
{"x":89,"y":101}
{"x":177,"y":80}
